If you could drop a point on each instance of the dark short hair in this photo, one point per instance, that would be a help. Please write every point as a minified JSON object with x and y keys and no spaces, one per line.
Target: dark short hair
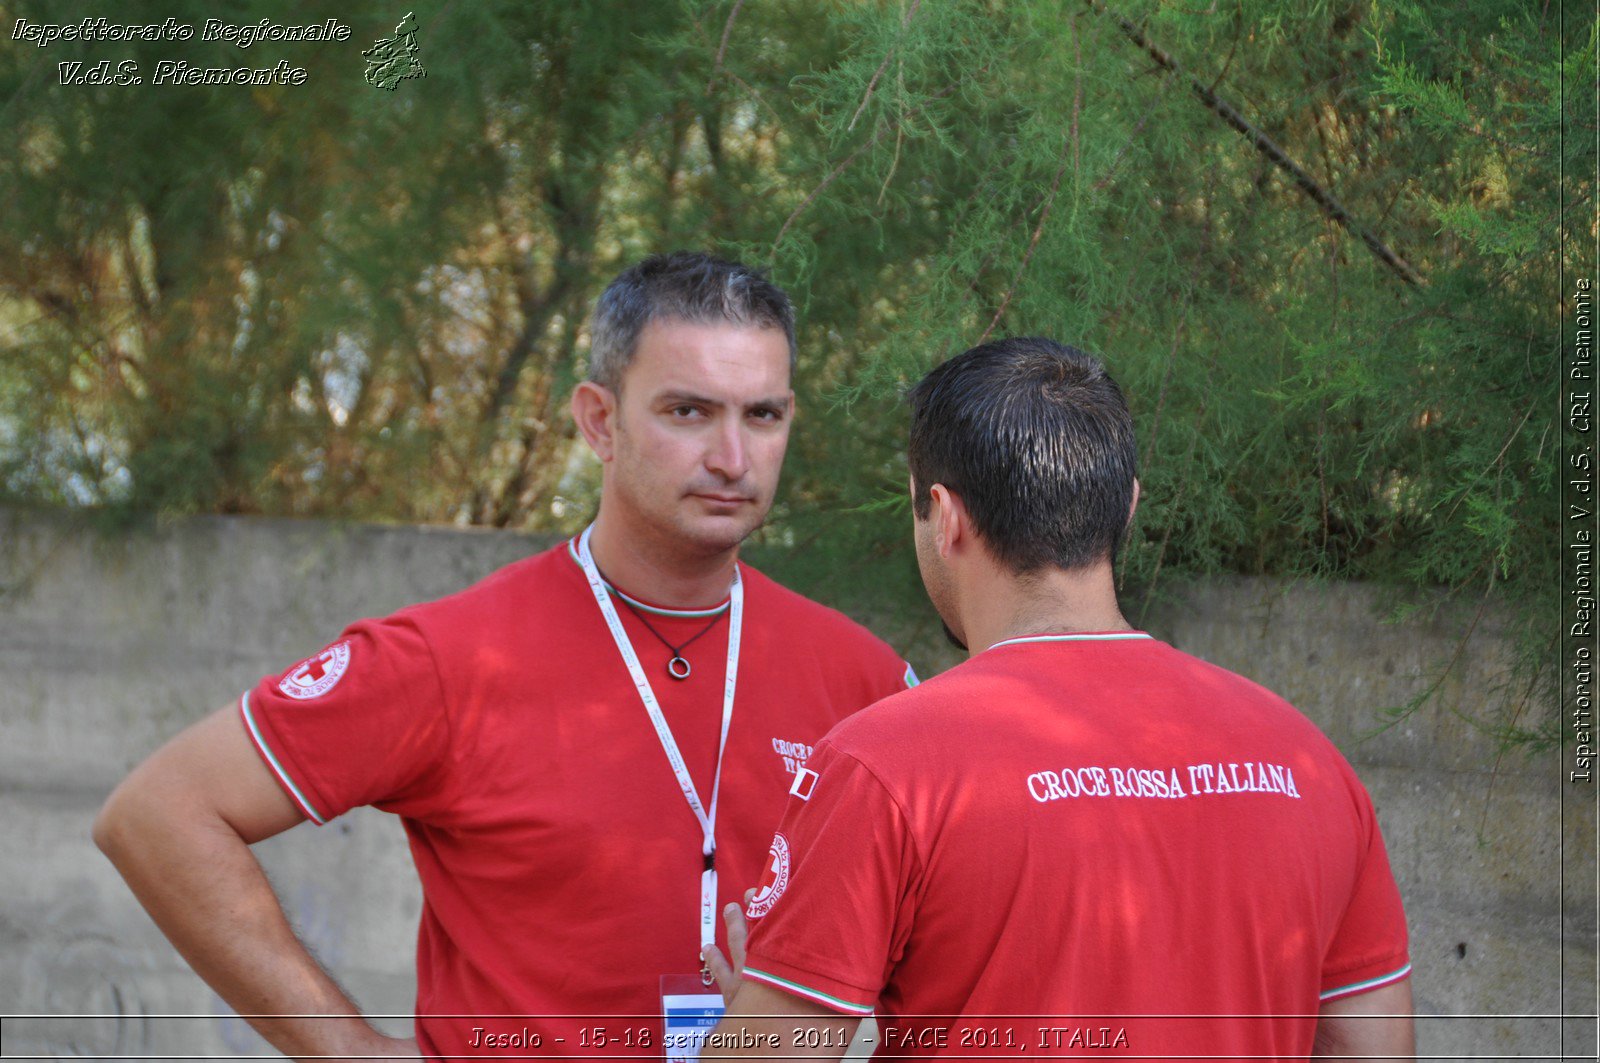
{"x":684,"y":286}
{"x":1035,"y":438}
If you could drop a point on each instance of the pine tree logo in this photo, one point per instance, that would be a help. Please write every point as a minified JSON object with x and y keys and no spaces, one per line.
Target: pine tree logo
{"x":393,"y":59}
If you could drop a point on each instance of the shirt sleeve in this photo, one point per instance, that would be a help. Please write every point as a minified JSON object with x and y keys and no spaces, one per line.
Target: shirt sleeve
{"x":1370,"y":948}
{"x":361,"y":722}
{"x":834,"y":908}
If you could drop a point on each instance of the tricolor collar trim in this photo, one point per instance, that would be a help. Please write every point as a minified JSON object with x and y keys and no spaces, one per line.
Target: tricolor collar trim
{"x":646,"y":607}
{"x":1102,"y":636}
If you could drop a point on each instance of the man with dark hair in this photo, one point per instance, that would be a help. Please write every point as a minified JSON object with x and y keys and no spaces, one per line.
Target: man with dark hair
{"x":588,"y":749}
{"x":680,"y":287}
{"x":1122,"y":848}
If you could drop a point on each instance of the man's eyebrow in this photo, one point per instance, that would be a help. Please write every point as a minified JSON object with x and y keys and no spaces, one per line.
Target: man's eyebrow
{"x":780,"y":402}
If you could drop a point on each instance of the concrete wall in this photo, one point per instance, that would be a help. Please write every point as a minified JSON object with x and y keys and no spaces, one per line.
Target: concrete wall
{"x":107,"y":646}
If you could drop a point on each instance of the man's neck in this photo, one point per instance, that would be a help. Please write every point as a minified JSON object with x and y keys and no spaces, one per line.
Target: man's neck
{"x":643,"y":568}
{"x":1051,"y":602}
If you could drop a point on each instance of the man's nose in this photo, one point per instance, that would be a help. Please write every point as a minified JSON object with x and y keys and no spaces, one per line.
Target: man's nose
{"x":729,"y":456}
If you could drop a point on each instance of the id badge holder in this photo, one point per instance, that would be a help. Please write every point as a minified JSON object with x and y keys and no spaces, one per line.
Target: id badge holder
{"x":689,"y":1012}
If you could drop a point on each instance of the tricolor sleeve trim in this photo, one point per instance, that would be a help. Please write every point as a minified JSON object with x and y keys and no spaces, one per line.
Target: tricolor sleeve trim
{"x":910,"y":678}
{"x":271,"y":758}
{"x":1363,"y":986}
{"x":817,"y":995}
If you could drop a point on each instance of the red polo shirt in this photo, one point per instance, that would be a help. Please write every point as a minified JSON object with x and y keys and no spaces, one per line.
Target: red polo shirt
{"x":1080,"y":844}
{"x":560,"y":863}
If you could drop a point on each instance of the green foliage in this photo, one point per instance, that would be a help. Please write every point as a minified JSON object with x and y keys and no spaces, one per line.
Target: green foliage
{"x":331,"y":300}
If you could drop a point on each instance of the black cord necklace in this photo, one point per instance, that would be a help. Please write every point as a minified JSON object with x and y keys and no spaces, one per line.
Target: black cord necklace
{"x":678,"y":666}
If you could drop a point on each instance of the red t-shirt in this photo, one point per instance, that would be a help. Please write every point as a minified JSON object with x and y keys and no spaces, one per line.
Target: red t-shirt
{"x":1066,"y":833}
{"x":560,"y":863}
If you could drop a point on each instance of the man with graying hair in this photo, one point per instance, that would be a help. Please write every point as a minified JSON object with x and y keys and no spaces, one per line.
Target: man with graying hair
{"x":588,"y":749}
{"x":1080,"y":841}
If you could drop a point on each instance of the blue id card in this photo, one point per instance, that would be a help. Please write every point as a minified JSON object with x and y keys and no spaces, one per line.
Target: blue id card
{"x":689,"y":1012}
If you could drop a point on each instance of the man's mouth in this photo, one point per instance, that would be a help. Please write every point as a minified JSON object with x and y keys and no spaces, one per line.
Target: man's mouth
{"x":722,"y":499}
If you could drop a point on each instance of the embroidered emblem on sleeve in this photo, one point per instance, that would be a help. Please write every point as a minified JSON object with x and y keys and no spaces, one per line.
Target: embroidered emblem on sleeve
{"x":774,"y":880}
{"x":315,"y":676}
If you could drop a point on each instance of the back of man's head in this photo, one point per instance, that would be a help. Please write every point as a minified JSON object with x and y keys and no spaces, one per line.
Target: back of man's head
{"x":1036,"y":440}
{"x":682,"y":286}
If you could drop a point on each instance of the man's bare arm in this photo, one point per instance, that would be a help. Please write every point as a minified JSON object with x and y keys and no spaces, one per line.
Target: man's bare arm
{"x":1374,"y":1026}
{"x":779,"y":1025}
{"x":761,"y":1021}
{"x":179,"y":829}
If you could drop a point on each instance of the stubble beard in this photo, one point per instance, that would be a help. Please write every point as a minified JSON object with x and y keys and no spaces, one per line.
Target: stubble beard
{"x":674,"y":528}
{"x":951,"y":636}
{"x":936,"y":582}
{"x":711,"y":543}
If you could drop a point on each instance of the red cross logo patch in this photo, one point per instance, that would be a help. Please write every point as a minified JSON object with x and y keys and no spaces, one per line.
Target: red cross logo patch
{"x":774,"y":880}
{"x":317,"y":675}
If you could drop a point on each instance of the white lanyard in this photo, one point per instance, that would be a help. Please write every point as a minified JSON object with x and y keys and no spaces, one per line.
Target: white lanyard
{"x":708,"y":822}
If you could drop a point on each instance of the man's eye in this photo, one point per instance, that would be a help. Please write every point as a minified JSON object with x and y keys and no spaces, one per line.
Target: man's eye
{"x":685,"y":411}
{"x":766,"y":415}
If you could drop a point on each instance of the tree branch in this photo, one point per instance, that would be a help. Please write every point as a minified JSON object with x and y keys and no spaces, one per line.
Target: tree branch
{"x":866,"y":96}
{"x":722,"y":49}
{"x":834,"y":174}
{"x":1266,"y":146}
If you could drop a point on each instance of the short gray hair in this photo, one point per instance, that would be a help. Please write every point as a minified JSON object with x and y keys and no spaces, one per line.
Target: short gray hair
{"x":683,"y":286}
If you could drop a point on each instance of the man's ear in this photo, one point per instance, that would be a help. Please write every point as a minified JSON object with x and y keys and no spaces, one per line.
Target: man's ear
{"x":1133,"y":505}
{"x":594,"y":408}
{"x":951,"y":525}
